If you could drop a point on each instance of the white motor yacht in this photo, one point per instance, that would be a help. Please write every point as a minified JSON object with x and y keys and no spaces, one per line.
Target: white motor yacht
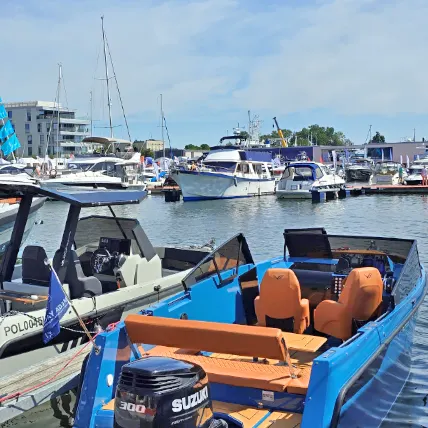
{"x":226,"y":174}
{"x":359,"y":169}
{"x":300,"y":178}
{"x":387,"y":172}
{"x":414,"y":176}
{"x":96,"y":172}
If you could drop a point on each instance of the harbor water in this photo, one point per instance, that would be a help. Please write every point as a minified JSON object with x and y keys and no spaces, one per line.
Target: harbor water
{"x":262,"y":221}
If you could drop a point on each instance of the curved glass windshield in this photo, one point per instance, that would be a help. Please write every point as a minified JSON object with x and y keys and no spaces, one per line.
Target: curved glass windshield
{"x":230,"y":255}
{"x":387,"y":168}
{"x":80,"y":166}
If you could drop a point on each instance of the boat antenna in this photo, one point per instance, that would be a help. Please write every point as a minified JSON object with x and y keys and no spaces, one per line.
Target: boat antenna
{"x":162,"y":119}
{"x":118,"y":90}
{"x":107,"y":79}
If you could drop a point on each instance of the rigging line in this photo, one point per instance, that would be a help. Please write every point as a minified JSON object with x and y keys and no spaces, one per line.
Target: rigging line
{"x":167,"y":135}
{"x":65,"y":90}
{"x":118,"y":90}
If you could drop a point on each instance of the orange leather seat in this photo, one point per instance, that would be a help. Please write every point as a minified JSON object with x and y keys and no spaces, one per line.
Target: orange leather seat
{"x":244,"y":340}
{"x":280,"y":298}
{"x":359,"y":300}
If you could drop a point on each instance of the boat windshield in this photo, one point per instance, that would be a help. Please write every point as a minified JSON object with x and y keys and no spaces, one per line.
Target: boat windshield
{"x":416,"y":169}
{"x":91,"y":229}
{"x":230,"y":255}
{"x":387,"y":168}
{"x":80,"y":166}
{"x":301,"y":173}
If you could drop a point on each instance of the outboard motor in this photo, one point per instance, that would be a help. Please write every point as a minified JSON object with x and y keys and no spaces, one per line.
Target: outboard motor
{"x":159,"y":392}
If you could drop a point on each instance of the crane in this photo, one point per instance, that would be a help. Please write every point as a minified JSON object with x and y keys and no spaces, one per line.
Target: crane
{"x":283,"y":140}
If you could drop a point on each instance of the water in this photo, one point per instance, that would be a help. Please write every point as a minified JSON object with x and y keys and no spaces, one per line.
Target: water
{"x":262,"y":220}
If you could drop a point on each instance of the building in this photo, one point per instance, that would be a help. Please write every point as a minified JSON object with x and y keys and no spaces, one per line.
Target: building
{"x":36,"y":122}
{"x":153,"y":145}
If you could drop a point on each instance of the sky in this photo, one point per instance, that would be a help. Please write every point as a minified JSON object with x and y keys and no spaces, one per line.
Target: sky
{"x":342,"y":63}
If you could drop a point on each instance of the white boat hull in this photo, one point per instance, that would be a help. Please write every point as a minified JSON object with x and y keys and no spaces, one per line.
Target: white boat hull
{"x":205,"y":185}
{"x":293,"y":194}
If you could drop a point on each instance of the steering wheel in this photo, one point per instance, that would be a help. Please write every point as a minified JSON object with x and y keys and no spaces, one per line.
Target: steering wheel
{"x":101,"y":261}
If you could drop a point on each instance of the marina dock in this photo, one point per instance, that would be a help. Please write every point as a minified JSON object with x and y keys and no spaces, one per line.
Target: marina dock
{"x":40,"y":383}
{"x":355,"y":190}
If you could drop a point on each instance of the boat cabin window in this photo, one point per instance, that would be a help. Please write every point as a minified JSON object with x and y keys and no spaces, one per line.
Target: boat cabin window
{"x":258,"y":169}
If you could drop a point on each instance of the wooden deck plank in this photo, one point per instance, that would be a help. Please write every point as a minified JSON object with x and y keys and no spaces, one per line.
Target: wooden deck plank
{"x":43,"y":371}
{"x":304,"y":342}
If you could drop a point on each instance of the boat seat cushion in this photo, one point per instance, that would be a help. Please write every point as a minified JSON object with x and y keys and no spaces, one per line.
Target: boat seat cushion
{"x":34,"y":269}
{"x":359,"y":300}
{"x":234,"y":339}
{"x":280,"y":302}
{"x":235,"y":372}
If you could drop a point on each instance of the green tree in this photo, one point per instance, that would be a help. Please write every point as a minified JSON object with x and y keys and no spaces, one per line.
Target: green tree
{"x":146,"y":153}
{"x":191,"y":147}
{"x":244,"y":135}
{"x":378,"y":138}
{"x":205,"y":147}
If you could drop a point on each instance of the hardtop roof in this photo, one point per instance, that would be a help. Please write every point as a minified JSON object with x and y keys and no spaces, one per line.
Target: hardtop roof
{"x":80,"y":198}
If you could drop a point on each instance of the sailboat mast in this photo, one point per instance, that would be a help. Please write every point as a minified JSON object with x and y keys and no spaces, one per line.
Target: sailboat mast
{"x":163,"y":139}
{"x":107,"y":79}
{"x":57,"y":124}
{"x":91,"y":110}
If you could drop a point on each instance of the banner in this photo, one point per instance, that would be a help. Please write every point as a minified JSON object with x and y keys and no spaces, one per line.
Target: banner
{"x":57,"y":307}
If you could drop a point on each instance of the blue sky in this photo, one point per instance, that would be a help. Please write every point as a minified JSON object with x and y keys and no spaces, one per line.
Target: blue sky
{"x":342,"y":63}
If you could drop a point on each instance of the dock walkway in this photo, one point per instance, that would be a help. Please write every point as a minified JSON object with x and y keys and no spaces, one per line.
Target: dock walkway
{"x":44,"y":381}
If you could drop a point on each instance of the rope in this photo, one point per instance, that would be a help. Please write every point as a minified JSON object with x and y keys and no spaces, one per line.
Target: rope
{"x":32,"y":388}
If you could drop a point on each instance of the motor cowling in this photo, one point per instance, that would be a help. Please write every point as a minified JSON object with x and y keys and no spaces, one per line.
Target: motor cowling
{"x":159,"y":392}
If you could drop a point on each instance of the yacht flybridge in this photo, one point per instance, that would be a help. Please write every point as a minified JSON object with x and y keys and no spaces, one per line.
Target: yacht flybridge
{"x":107,"y":264}
{"x":225,"y":174}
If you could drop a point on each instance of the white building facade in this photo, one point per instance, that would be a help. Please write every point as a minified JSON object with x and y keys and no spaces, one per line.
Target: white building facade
{"x":36,"y":124}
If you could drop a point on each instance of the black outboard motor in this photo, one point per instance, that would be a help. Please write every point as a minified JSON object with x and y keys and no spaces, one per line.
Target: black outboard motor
{"x":159,"y":392}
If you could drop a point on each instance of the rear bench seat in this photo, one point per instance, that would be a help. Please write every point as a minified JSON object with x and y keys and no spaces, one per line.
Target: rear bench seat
{"x":184,"y":339}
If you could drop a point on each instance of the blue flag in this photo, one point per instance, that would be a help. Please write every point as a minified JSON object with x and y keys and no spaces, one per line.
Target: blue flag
{"x":5,"y":130}
{"x":55,"y":310}
{"x":11,"y":144}
{"x":3,"y":112}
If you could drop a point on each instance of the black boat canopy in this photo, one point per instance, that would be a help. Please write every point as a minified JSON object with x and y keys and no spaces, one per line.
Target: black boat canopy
{"x":79,"y":198}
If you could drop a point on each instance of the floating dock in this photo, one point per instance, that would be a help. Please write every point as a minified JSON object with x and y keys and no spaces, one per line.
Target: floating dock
{"x":331,"y":194}
{"x":40,"y":383}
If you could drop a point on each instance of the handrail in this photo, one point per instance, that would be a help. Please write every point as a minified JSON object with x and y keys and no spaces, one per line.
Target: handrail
{"x":345,"y":388}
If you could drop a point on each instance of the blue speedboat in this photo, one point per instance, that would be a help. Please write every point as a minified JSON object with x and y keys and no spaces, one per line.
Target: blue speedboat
{"x":320,"y":336}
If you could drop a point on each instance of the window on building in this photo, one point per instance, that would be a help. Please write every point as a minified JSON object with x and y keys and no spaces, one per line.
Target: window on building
{"x":42,"y":138}
{"x":39,"y":127}
{"x":28,"y":115}
{"x":9,"y":114}
{"x":30,"y":151}
{"x":27,"y":128}
{"x":30,"y":139}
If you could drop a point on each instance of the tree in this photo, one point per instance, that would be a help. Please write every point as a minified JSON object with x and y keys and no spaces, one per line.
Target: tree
{"x":244,"y":135}
{"x":315,"y":134}
{"x":147,"y":153}
{"x":378,"y":138}
{"x":193,"y":147}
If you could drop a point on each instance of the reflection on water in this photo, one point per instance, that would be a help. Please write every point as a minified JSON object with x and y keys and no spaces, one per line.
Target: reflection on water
{"x":262,"y":220}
